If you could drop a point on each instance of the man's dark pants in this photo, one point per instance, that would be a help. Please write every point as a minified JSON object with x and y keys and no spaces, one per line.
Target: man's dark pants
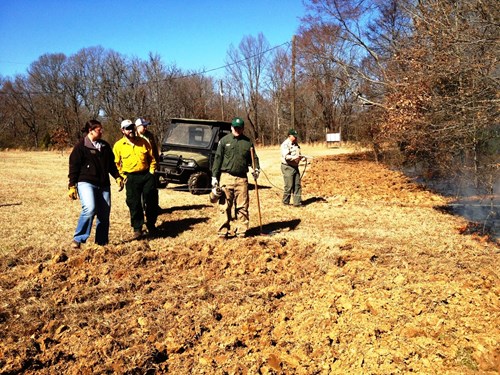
{"x":141,"y":190}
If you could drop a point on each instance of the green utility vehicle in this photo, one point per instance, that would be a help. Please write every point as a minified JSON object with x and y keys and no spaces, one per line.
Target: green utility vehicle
{"x":187,"y":153}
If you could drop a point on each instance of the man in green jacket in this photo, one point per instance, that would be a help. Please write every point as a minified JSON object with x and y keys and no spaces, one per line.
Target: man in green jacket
{"x":235,"y":153}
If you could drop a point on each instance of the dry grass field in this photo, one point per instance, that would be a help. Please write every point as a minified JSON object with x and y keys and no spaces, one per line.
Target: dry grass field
{"x":371,"y":276}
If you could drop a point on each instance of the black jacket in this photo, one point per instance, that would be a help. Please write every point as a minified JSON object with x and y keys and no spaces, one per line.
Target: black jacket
{"x":88,"y":164}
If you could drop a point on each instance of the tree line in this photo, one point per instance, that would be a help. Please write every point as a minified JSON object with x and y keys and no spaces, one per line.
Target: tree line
{"x":416,"y":80}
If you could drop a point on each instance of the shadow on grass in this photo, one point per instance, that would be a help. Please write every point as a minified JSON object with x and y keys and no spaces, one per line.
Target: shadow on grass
{"x":308,"y":201}
{"x":184,"y":188}
{"x":174,"y":228}
{"x":251,"y":186}
{"x":183,"y":208}
{"x":170,"y":229}
{"x":272,"y":228}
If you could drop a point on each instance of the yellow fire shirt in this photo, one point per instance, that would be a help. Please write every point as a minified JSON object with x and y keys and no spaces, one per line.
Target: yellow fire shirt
{"x":134,"y":155}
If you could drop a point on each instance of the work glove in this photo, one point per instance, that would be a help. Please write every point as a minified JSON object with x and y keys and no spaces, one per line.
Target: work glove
{"x":255,"y":174}
{"x":214,"y":182}
{"x":72,"y":193}
{"x":120,"y":182}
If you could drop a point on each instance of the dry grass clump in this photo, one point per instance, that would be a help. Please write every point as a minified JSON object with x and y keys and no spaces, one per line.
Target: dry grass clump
{"x":368,"y":277}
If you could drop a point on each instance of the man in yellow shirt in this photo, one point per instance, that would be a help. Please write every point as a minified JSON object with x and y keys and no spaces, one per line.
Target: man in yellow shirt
{"x":136,"y":163}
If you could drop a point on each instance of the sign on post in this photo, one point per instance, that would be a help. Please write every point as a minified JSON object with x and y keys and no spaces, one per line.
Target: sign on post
{"x":333,"y":139}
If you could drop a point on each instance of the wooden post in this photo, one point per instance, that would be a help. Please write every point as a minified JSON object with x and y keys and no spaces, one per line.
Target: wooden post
{"x":256,"y":189}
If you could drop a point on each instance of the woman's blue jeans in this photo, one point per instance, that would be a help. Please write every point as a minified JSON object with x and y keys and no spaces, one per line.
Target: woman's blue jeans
{"x":96,"y":202}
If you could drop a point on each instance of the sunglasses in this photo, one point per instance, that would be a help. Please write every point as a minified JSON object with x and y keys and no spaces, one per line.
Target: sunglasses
{"x":131,"y":127}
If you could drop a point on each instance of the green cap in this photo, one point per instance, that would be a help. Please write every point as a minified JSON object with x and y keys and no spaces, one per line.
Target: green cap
{"x":237,"y":122}
{"x":293,"y":132}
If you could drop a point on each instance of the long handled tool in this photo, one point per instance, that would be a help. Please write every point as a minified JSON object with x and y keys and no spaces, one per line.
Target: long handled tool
{"x":256,"y":189}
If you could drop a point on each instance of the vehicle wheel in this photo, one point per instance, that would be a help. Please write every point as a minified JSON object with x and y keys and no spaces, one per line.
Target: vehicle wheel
{"x":198,"y":183}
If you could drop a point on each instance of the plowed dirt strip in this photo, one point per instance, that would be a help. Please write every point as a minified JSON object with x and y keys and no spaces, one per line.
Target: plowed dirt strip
{"x":367,"y":277}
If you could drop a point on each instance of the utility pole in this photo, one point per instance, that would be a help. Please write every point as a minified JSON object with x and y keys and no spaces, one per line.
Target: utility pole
{"x":221,"y":92}
{"x":292,"y":105}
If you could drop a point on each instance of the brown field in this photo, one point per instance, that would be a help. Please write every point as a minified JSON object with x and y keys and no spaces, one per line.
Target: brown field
{"x":372,"y":276}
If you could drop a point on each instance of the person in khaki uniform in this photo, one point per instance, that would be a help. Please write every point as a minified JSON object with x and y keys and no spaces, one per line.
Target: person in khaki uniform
{"x":135,"y":160}
{"x":290,"y":159}
{"x":229,"y":171}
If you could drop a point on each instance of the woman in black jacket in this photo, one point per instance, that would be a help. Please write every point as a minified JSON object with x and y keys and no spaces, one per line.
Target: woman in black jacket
{"x":90,"y":164}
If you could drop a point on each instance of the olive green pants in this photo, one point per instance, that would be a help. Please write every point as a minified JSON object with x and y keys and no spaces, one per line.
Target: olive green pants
{"x":291,"y":178}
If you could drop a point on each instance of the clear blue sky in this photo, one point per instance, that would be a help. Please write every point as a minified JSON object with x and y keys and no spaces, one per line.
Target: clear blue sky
{"x":193,"y":34}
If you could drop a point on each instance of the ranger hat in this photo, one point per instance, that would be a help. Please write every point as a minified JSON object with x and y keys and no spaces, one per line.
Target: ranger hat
{"x":141,"y":121}
{"x":237,"y":122}
{"x":126,"y":123}
{"x":293,"y":132}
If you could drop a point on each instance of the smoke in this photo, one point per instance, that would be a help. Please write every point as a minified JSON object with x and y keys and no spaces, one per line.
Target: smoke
{"x":476,"y":197}
{"x":478,"y":202}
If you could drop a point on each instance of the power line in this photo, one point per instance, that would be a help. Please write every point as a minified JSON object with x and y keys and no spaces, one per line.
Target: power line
{"x":166,"y":79}
{"x":237,"y":62}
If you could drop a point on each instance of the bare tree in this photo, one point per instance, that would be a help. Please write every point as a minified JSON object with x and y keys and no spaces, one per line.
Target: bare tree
{"x":196,"y":96}
{"x":325,"y":83}
{"x":161,"y":84}
{"x":85,"y":69}
{"x":279,"y":82}
{"x":52,"y":86}
{"x":452,"y":90}
{"x":429,"y":66}
{"x":22,"y":105}
{"x":12,"y":133}
{"x":114,"y":94}
{"x":246,"y":66}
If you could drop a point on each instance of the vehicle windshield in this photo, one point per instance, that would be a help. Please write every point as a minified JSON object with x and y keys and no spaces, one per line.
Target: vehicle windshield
{"x":189,"y":134}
